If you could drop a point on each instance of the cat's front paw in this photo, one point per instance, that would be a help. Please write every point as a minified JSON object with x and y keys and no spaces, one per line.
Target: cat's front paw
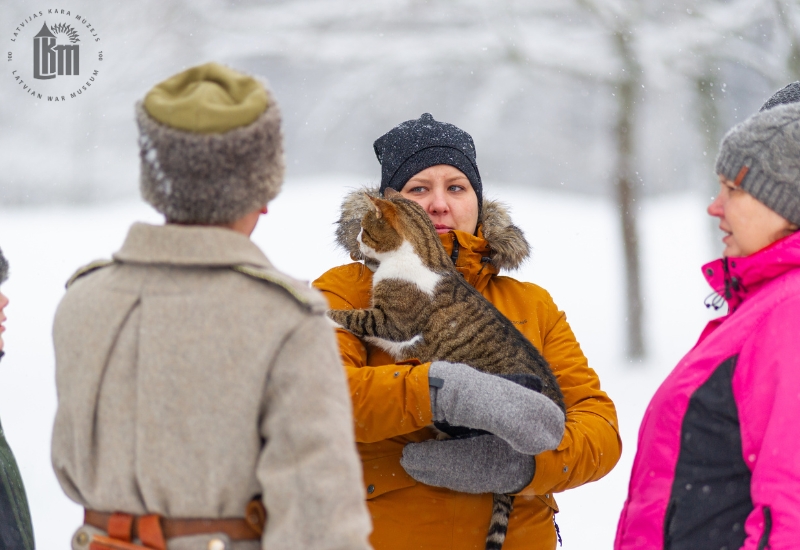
{"x":335,"y":318}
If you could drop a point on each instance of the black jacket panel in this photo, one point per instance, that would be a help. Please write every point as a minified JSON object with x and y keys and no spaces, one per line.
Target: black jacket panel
{"x":710,"y":498}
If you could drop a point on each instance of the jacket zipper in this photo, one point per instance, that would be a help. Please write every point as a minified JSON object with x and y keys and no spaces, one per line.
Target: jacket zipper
{"x":456,"y":249}
{"x":763,"y":543}
{"x":727,"y":277}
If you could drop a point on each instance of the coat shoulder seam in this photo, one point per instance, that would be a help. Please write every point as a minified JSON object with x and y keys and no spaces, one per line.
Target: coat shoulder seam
{"x":304,"y":298}
{"x":88,"y":268}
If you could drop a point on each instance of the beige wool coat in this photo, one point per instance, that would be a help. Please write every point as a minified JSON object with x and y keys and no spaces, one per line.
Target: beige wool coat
{"x":192,"y":376}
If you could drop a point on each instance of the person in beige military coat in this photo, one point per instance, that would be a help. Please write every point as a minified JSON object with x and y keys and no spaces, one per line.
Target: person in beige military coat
{"x":200,"y":390}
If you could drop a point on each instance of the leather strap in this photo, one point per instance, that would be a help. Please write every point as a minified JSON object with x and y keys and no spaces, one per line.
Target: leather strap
{"x":146,"y":528}
{"x":150,"y":532}
{"x":255,"y":515}
{"x":120,"y":527}
{"x":100,"y":542}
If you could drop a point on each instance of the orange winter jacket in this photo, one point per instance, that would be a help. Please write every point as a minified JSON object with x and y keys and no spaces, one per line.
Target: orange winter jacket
{"x":391,"y":405}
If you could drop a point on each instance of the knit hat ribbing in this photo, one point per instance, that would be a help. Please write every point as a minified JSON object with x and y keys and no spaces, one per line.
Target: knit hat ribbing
{"x":3,"y":268}
{"x":210,"y":145}
{"x":414,"y":145}
{"x":768,"y":144}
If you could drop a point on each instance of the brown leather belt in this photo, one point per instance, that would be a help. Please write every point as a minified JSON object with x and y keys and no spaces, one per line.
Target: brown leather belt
{"x":248,"y":528}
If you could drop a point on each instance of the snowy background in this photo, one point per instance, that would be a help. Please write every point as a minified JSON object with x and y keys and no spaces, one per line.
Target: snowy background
{"x":575,"y":257}
{"x":537,"y":83}
{"x":542,"y":86}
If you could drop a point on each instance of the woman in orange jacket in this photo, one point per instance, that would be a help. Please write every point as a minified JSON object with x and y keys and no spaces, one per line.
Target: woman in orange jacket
{"x":434,"y":499}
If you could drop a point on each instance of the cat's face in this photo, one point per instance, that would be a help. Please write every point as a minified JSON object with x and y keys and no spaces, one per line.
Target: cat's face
{"x":380,"y":229}
{"x":391,"y":222}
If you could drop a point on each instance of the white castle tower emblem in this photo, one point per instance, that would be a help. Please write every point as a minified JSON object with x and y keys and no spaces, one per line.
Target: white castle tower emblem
{"x":50,"y":59}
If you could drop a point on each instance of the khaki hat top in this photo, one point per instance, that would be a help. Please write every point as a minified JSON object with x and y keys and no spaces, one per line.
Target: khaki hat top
{"x":207,"y":99}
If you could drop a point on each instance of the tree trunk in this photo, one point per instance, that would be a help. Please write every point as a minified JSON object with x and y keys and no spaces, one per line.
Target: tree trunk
{"x":710,"y":128}
{"x":786,"y":20}
{"x":626,"y":196}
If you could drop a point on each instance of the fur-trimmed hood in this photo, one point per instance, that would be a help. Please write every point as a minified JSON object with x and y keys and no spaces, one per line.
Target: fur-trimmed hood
{"x":509,"y":248}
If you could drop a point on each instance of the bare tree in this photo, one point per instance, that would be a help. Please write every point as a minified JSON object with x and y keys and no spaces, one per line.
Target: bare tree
{"x":523,"y":39}
{"x":690,"y":43}
{"x":629,"y":85}
{"x":788,"y":18}
{"x":618,"y":24}
{"x":737,"y":34}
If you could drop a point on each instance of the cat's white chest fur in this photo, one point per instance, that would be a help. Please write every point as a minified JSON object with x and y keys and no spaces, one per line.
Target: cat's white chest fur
{"x":404,"y":264}
{"x":396,"y":349}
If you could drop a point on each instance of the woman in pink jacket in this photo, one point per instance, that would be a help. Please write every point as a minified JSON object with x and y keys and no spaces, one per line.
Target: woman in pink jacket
{"x":718,"y":459}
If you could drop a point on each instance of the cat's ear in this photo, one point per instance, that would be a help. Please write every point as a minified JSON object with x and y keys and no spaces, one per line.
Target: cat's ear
{"x":383,"y":208}
{"x":390,"y":193}
{"x":376,"y":203}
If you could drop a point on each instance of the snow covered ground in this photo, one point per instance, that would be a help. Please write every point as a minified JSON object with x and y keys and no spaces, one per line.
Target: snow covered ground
{"x":576,"y":256}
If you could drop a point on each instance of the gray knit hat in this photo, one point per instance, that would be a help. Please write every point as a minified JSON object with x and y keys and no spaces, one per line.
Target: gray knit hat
{"x":210,"y":145}
{"x":762,"y":155}
{"x":3,"y":268}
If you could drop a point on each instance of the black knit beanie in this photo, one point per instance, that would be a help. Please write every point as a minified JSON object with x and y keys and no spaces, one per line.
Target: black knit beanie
{"x":787,"y":94}
{"x":414,"y":145}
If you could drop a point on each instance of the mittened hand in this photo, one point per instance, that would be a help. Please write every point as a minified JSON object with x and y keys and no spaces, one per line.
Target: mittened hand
{"x":483,"y":464}
{"x":462,"y":396}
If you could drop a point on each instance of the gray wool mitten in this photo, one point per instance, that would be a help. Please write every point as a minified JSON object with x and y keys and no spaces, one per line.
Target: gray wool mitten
{"x":462,"y":396}
{"x":483,"y":464}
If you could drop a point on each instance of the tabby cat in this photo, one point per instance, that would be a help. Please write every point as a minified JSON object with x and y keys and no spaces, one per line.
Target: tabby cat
{"x":423,"y":308}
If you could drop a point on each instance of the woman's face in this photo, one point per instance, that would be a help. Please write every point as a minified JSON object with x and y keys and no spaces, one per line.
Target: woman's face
{"x":3,"y":304}
{"x":749,"y":224}
{"x":447,"y":196}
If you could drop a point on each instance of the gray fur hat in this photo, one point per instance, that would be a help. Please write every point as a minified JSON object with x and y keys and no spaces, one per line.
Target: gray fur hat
{"x":3,"y":268}
{"x":211,"y":146}
{"x":762,"y":155}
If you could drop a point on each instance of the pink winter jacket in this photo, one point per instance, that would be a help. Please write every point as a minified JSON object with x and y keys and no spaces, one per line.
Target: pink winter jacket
{"x":718,"y":458}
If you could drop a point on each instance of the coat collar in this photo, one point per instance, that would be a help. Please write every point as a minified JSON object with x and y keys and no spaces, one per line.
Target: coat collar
{"x":189,"y":245}
{"x":471,"y":254}
{"x":499,"y":244}
{"x":736,"y":279}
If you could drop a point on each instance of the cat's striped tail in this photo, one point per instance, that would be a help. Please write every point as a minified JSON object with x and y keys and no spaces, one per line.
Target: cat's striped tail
{"x":501,"y":510}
